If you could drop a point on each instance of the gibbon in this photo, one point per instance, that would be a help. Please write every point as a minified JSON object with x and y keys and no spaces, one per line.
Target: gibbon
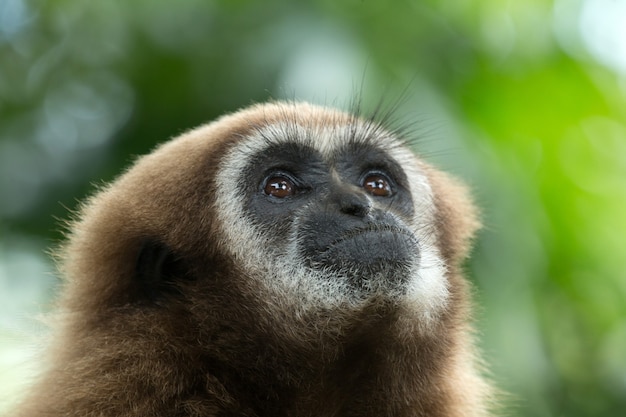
{"x":284,"y":260}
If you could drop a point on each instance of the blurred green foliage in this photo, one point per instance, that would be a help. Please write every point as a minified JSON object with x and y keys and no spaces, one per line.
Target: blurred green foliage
{"x":524,"y":100}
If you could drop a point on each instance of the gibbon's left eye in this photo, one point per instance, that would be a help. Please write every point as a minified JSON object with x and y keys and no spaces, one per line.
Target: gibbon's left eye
{"x":279,"y":186}
{"x":377,"y":184}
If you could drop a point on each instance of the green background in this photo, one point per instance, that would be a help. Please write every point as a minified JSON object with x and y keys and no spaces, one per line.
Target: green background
{"x":522,"y":99}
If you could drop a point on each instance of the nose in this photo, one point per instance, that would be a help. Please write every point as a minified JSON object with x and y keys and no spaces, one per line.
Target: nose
{"x":353,"y":202}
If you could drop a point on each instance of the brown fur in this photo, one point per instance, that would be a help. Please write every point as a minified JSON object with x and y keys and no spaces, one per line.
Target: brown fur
{"x":219,"y":349}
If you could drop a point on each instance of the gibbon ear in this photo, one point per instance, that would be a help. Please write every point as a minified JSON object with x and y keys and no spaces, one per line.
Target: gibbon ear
{"x":457,"y":217}
{"x":158,"y":270}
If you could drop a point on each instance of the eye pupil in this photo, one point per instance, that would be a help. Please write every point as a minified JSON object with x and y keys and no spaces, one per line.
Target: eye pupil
{"x":377,"y":185}
{"x":279,"y":187}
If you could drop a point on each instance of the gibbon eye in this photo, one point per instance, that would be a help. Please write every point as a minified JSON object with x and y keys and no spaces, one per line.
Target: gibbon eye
{"x":377,"y":184}
{"x":279,"y":186}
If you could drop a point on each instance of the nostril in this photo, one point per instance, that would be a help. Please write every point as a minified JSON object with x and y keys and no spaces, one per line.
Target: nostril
{"x":356,"y":205}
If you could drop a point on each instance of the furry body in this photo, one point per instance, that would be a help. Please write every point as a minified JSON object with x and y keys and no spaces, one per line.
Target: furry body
{"x":182,"y":301}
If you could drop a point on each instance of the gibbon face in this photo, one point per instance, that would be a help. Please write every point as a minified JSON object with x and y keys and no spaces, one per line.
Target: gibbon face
{"x":330,"y":211}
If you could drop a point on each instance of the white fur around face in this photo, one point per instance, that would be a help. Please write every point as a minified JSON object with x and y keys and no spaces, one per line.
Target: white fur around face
{"x":282,"y":273}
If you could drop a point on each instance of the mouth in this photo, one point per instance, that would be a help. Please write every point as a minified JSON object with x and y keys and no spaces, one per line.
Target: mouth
{"x":371,"y":249}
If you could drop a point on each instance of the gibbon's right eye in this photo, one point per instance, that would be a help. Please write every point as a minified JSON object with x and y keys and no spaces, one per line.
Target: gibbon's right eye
{"x":279,"y":186}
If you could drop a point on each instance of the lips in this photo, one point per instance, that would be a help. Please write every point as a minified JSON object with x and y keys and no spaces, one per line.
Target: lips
{"x":372,"y":248}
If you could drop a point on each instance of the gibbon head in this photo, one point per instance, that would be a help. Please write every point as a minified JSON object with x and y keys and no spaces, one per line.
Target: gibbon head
{"x":288,"y":206}
{"x":286,"y":259}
